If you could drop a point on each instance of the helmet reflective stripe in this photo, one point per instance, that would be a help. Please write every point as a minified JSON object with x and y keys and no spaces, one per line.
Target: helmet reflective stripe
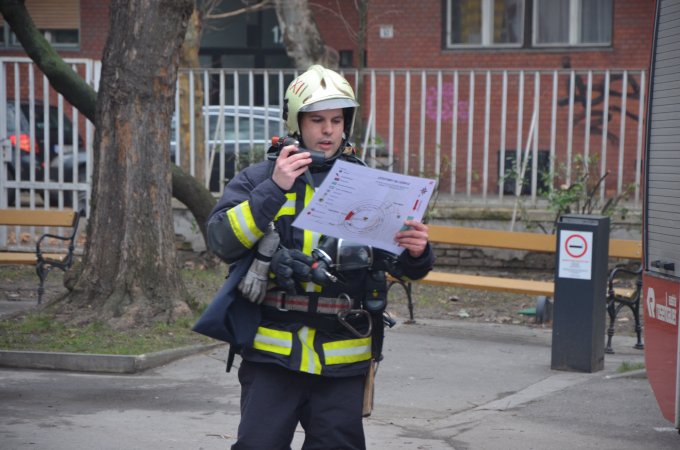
{"x":274,"y":341}
{"x":334,"y":103}
{"x":243,"y":224}
{"x":309,"y":361}
{"x":347,"y":352}
{"x":319,"y":89}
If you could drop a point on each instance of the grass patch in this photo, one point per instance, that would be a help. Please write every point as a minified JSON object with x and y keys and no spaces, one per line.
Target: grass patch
{"x":40,"y":332}
{"x":629,"y":367}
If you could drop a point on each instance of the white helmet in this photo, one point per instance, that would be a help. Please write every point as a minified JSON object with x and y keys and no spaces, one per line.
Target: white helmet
{"x":319,"y":89}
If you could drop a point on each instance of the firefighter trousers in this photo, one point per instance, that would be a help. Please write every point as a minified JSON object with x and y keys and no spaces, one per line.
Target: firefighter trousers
{"x":274,"y":399}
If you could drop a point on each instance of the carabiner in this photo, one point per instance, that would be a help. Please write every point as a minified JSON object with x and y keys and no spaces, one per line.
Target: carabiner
{"x":343,"y":315}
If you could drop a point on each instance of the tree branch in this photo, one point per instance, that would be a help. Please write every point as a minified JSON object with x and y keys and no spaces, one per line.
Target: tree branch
{"x":264,"y":4}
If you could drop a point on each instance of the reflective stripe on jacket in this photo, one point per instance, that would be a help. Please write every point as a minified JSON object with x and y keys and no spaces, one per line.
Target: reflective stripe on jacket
{"x":305,"y":349}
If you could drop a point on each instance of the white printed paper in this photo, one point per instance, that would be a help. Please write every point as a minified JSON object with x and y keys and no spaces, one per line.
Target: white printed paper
{"x":364,"y":205}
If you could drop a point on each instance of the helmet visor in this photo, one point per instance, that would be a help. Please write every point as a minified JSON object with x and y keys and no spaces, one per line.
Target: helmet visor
{"x":331,"y":103}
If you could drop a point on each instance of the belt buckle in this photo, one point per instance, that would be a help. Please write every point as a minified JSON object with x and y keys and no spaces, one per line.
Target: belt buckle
{"x":282,"y":302}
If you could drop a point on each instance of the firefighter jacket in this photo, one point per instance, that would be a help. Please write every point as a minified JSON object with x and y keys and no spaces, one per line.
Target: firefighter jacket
{"x":301,"y":341}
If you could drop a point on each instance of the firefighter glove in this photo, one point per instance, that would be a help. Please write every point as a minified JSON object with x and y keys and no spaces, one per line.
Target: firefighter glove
{"x":254,"y":284}
{"x":289,"y":266}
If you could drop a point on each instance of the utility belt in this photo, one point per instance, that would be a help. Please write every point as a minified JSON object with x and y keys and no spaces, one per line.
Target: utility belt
{"x":326,"y":313}
{"x":308,"y":303}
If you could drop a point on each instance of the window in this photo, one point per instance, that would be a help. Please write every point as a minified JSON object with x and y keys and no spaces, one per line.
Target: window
{"x":484,"y":23}
{"x":59,"y":22}
{"x":346,"y":58}
{"x":527,"y":23}
{"x":572,"y":22}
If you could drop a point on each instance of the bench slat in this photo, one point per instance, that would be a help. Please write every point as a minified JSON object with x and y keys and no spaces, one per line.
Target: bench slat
{"x":623,"y":248}
{"x":28,"y":258}
{"x":485,"y":283}
{"x":519,"y":240}
{"x":476,"y":237}
{"x":498,"y":284}
{"x":36,"y":217}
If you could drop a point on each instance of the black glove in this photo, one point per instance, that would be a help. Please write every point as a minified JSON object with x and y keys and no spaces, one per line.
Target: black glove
{"x":289,"y":266}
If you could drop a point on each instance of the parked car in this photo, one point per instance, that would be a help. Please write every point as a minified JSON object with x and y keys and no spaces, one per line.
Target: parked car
{"x":61,"y":154}
{"x":256,"y":127}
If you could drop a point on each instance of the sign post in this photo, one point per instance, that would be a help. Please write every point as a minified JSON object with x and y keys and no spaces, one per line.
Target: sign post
{"x":580,"y":289}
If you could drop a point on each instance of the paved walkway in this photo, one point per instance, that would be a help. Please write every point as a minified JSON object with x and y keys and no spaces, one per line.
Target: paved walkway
{"x":443,"y":385}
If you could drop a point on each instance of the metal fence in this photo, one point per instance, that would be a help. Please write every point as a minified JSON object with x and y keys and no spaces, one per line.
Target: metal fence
{"x":486,"y":135}
{"x":476,"y":131}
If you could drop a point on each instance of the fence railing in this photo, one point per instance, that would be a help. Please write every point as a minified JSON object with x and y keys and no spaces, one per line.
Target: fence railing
{"x":486,"y":135}
{"x":476,"y":131}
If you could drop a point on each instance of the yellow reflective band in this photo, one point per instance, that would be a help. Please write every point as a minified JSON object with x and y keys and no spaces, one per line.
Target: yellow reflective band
{"x":243,"y":224}
{"x":288,"y":208}
{"x":310,"y":361}
{"x":348,"y":351}
{"x":309,"y":193}
{"x":273,"y":341}
{"x":310,"y":241}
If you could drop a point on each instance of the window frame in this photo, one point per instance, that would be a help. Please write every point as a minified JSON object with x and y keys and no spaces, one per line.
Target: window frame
{"x":529,"y":29}
{"x":486,"y":30}
{"x":575,"y":26}
{"x":13,"y":42}
{"x":50,"y":18}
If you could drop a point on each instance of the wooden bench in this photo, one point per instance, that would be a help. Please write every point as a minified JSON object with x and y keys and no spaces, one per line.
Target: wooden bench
{"x":44,"y":262}
{"x":616,"y":297}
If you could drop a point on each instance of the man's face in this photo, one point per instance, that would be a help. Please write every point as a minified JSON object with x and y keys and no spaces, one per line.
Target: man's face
{"x":322,"y":130}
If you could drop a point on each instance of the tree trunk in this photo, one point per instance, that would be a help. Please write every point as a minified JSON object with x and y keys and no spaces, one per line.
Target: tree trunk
{"x":359,"y":131}
{"x":130,"y":273}
{"x":189,"y":58}
{"x":301,"y":36}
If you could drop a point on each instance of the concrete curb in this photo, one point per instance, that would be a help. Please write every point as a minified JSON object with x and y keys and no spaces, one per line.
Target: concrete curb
{"x":97,"y":363}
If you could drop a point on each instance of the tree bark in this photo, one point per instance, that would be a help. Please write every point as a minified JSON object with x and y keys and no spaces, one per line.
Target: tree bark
{"x":189,"y":58}
{"x":301,"y":36}
{"x":129,"y":273}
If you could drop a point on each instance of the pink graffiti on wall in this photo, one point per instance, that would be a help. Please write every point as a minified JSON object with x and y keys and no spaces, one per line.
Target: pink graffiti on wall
{"x":447,"y":104}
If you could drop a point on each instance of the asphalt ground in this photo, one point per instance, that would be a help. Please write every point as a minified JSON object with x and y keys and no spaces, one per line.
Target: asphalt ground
{"x":443,"y":385}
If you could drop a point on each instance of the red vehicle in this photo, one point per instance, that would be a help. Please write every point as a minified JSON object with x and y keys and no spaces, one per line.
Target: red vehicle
{"x":661,"y":226}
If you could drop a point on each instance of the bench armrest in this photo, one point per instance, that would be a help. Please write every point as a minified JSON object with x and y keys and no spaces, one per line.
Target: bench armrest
{"x":616,"y":273}
{"x":68,"y":260}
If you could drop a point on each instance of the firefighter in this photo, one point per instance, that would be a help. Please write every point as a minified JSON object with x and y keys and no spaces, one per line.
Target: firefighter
{"x":308,"y":361}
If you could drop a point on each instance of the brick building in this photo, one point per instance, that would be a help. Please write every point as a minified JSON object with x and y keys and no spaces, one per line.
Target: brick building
{"x":400,"y":34}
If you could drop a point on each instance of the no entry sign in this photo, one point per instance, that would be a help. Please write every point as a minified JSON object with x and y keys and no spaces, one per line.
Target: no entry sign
{"x":576,"y":255}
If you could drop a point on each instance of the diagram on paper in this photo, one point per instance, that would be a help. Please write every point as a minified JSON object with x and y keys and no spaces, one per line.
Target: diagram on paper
{"x":365,"y":205}
{"x":367,"y":217}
